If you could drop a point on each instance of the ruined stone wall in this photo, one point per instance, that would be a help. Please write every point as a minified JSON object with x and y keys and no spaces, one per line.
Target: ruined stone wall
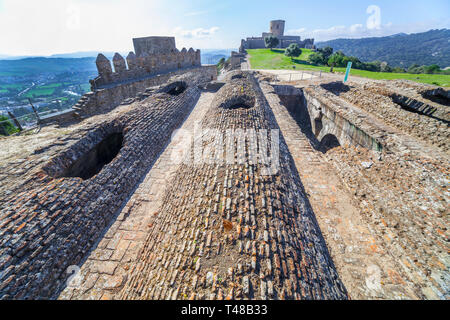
{"x":104,"y":100}
{"x":230,"y":231}
{"x":54,"y":220}
{"x":327,"y":118}
{"x":285,"y":41}
{"x":143,"y":65}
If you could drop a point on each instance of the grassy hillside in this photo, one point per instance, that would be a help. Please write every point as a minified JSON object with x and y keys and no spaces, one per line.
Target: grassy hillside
{"x":401,"y":50}
{"x":266,"y":59}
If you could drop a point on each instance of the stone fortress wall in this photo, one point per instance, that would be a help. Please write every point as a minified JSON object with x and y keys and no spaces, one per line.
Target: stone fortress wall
{"x":152,"y":55}
{"x":276,"y":29}
{"x":156,"y":60}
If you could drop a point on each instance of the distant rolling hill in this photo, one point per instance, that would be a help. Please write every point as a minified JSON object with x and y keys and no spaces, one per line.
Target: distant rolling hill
{"x":75,"y":62}
{"x":400,"y":50}
{"x":40,"y":66}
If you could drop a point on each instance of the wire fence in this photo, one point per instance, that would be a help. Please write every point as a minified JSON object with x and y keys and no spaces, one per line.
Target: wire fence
{"x":32,"y":119}
{"x":299,"y":76}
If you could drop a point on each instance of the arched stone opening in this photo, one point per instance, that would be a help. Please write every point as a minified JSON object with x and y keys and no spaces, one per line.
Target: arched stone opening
{"x":330,"y":141}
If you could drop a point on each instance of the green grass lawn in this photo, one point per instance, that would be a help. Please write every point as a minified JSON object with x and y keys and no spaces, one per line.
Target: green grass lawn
{"x":275,"y":59}
{"x":267,"y":59}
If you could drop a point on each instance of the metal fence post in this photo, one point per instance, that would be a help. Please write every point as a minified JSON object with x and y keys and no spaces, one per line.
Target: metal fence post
{"x":35,"y":112}
{"x":16,"y":122}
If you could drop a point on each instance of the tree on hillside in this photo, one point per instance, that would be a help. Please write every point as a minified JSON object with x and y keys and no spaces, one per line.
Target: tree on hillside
{"x":317,"y":58}
{"x":434,"y":68}
{"x":293,"y":50}
{"x":384,"y":67}
{"x":271,"y":42}
{"x":326,"y":52}
{"x":336,"y":60}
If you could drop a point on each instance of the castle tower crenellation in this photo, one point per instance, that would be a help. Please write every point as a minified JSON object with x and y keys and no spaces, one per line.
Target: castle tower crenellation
{"x":132,"y":61}
{"x":119,"y":63}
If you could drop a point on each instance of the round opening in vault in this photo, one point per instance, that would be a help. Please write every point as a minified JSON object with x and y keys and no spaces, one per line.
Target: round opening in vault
{"x":92,"y":162}
{"x":177,"y":88}
{"x":239,"y":106}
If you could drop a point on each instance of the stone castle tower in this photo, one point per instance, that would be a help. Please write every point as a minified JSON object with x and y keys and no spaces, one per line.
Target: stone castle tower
{"x":277,"y":27}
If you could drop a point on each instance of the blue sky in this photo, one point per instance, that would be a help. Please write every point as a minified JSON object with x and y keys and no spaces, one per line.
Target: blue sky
{"x":41,"y":27}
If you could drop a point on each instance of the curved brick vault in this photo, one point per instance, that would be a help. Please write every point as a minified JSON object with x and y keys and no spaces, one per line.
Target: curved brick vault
{"x":55,"y":218}
{"x":226,"y":231}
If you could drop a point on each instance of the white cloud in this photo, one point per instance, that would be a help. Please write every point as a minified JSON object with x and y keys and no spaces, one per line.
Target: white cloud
{"x":296,"y":32}
{"x":356,"y":28}
{"x":196,"y":33}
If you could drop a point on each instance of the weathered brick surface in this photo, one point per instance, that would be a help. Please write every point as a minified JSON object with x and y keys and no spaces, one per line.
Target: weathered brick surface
{"x":53,"y":222}
{"x":405,"y":201}
{"x":401,"y":192}
{"x":362,"y":258}
{"x":380,"y":100}
{"x":126,"y":236}
{"x":228,"y":232}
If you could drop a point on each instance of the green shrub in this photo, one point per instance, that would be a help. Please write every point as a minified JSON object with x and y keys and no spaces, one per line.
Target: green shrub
{"x":6,"y":127}
{"x":317,"y":58}
{"x":271,"y":42}
{"x":326,"y":53}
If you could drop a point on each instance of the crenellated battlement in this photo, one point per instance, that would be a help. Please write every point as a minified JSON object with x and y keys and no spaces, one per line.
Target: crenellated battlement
{"x":152,"y":58}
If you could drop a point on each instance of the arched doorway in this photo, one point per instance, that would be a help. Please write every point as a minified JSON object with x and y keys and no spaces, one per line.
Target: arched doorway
{"x":329,"y":142}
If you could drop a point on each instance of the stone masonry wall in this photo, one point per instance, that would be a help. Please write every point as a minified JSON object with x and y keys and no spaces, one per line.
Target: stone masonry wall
{"x":53,"y":222}
{"x":142,"y":66}
{"x":104,"y":100}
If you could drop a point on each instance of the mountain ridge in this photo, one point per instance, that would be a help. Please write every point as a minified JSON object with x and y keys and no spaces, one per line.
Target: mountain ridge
{"x":399,"y":50}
